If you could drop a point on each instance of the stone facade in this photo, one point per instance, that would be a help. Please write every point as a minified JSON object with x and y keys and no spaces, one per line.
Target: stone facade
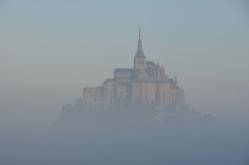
{"x":145,"y":83}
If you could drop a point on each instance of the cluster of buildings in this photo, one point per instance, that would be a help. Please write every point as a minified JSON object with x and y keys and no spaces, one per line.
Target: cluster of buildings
{"x":145,"y":83}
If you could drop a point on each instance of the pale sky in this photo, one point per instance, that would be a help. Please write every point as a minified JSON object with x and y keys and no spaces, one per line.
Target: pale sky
{"x":51,"y":49}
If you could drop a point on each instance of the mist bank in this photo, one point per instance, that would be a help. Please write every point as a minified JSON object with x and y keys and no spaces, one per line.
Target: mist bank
{"x":219,"y":143}
{"x":127,"y":117}
{"x":141,"y":136}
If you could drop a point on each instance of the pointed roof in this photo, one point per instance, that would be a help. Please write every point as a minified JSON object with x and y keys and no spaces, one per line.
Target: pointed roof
{"x":139,"y":52}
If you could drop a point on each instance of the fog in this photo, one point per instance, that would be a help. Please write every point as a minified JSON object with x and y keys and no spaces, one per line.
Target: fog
{"x":103,"y":139}
{"x":50,"y":50}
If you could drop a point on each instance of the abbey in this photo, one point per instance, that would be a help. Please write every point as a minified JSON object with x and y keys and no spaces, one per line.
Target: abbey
{"x":145,"y":83}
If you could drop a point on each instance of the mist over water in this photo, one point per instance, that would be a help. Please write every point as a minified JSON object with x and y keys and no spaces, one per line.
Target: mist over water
{"x":100,"y":139}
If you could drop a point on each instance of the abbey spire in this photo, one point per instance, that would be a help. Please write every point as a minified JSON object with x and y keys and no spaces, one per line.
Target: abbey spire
{"x":139,"y":38}
{"x":139,"y":52}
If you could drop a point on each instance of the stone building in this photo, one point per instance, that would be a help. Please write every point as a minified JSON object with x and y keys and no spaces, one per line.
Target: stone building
{"x":145,"y":83}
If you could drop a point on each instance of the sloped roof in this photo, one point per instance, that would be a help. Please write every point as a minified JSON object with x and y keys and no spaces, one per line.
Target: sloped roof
{"x":140,"y":53}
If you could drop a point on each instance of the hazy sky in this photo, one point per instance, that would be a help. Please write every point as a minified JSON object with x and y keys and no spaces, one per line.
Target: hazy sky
{"x":51,"y":49}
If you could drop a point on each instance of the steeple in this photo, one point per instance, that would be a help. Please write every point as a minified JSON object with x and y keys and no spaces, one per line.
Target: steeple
{"x":139,"y":38}
{"x":139,"y":52}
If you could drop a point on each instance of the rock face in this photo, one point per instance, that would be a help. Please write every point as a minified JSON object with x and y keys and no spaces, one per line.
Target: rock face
{"x":92,"y":118}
